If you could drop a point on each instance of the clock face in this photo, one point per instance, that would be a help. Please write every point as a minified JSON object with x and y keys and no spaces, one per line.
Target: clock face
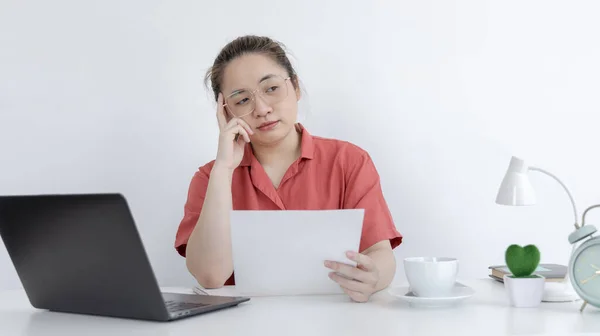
{"x":586,"y":271}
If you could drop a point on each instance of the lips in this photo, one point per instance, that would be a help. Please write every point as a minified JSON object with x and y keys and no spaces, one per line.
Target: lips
{"x":267,"y":125}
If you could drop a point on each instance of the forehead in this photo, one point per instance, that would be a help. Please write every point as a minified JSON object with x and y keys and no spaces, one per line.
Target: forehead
{"x":247,"y":70}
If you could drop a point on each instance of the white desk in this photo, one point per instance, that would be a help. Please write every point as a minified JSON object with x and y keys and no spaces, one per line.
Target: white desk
{"x":485,"y":313}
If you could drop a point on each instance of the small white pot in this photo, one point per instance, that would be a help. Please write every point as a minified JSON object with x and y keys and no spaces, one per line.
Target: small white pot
{"x":525,"y":292}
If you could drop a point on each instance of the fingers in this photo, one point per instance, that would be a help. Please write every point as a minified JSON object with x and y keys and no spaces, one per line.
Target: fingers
{"x":350,"y":284}
{"x":362,"y":260}
{"x":234,"y":125}
{"x":237,"y":121}
{"x":240,"y":140}
{"x":242,"y":123}
{"x":238,"y":129}
{"x":221,"y":118}
{"x":351,"y":272}
{"x":356,"y":296}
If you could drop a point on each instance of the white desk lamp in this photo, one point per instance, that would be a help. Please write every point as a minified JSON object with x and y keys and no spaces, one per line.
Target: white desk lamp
{"x":516,"y":190}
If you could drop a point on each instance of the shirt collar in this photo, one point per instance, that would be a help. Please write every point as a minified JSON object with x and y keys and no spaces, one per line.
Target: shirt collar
{"x":306,"y":145}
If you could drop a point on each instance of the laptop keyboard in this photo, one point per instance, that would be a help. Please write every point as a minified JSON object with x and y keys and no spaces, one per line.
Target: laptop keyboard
{"x":174,"y":306}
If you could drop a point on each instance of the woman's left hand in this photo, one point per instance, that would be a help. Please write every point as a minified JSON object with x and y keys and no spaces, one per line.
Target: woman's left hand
{"x":358,"y":282}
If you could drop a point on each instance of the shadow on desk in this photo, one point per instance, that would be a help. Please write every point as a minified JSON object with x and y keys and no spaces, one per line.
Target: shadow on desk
{"x":54,"y":323}
{"x":520,"y":321}
{"x":588,"y":322}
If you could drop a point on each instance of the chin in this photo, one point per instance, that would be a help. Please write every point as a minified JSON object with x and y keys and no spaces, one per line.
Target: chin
{"x":276,"y":135}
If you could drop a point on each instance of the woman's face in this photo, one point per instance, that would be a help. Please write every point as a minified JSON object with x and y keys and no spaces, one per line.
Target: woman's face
{"x":259,"y":91}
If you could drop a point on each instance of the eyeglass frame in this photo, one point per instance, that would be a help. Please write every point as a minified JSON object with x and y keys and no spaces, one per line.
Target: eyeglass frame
{"x":253,"y":95}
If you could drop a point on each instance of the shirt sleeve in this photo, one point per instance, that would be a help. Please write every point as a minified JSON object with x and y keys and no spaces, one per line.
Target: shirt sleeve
{"x":363,"y":191}
{"x":191,"y":209}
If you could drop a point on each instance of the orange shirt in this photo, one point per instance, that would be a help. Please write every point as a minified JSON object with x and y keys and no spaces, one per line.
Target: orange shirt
{"x":330,"y":174}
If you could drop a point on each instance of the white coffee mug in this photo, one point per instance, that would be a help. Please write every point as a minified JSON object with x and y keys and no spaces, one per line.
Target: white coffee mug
{"x":431,"y":276}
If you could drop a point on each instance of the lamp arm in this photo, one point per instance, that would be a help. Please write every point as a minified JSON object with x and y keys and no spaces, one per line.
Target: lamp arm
{"x":586,"y":211}
{"x":564,"y":187}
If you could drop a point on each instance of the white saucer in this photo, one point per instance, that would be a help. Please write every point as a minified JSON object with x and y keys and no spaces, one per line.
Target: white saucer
{"x":459,"y":293}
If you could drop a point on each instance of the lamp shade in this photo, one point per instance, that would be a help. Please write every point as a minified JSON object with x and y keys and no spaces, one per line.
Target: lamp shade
{"x":516,"y":189}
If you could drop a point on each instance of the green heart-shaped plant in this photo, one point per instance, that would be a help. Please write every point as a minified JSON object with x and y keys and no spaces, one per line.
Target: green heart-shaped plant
{"x":522,"y":261}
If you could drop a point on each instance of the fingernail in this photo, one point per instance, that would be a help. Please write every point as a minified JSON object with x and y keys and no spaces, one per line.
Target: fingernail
{"x":351,"y":254}
{"x":327,"y":264}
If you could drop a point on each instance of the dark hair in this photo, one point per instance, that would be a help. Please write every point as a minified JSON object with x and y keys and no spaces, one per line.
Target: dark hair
{"x":246,"y":45}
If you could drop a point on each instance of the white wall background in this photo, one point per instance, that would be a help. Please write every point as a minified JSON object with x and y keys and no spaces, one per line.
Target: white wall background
{"x":108,"y":96}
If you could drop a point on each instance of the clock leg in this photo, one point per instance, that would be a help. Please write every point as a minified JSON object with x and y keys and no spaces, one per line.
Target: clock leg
{"x":583,"y":306}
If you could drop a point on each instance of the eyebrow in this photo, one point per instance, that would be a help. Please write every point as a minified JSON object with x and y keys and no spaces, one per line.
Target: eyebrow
{"x":264,"y":78}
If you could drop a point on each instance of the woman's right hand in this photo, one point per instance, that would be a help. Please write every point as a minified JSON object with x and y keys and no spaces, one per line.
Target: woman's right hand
{"x":231,"y":146}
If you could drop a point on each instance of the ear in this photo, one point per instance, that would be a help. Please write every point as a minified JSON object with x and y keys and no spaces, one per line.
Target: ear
{"x":297,"y":86}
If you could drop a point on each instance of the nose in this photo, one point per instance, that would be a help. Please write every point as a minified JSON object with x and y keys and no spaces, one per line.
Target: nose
{"x":261,"y":107}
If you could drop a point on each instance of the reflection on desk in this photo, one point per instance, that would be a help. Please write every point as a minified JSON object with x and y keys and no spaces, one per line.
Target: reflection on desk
{"x":486,"y":313}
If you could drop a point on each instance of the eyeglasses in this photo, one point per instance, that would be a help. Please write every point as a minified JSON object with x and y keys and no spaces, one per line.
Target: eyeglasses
{"x":243,"y":102}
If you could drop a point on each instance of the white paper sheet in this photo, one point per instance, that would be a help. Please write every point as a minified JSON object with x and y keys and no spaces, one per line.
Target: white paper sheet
{"x":282,"y":252}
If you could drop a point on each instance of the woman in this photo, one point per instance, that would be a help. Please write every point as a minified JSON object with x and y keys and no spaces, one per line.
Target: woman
{"x":266,"y":160}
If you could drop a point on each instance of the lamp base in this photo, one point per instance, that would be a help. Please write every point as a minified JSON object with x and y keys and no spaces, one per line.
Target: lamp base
{"x":559,"y":292}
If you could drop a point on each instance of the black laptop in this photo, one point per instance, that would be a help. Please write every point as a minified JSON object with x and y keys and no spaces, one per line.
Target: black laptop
{"x":83,"y":254}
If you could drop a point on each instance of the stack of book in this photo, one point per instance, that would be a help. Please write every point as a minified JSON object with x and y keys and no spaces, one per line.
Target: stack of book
{"x":552,"y":272}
